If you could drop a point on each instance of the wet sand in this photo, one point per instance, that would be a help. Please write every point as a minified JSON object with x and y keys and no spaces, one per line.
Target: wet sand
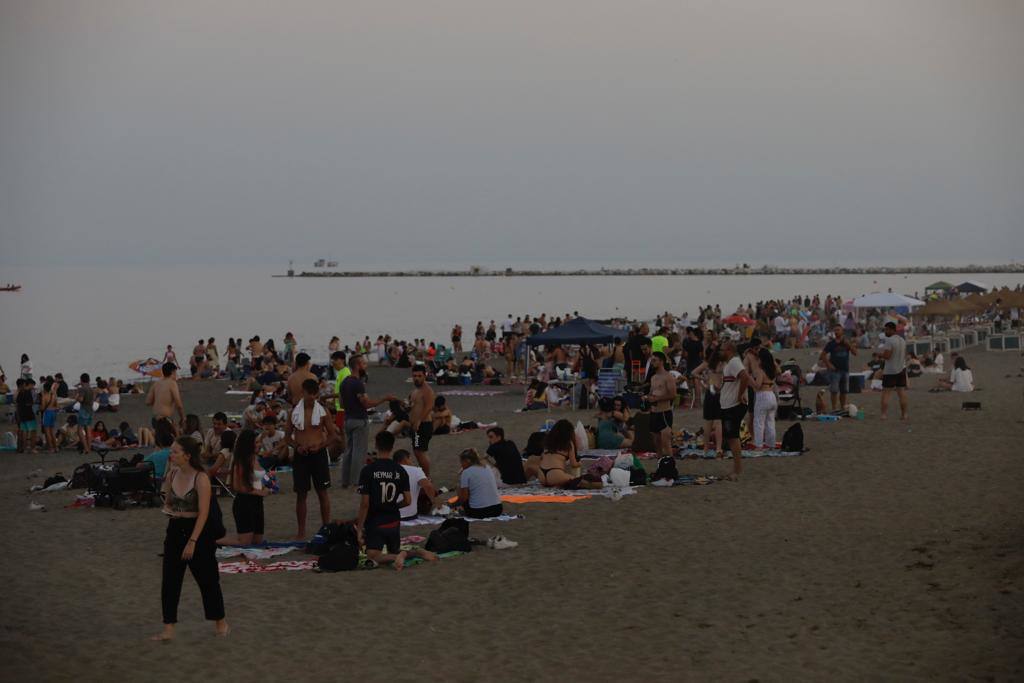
{"x":889,"y":551}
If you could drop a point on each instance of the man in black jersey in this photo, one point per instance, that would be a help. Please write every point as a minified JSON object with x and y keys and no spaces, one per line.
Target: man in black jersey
{"x":384,"y":491}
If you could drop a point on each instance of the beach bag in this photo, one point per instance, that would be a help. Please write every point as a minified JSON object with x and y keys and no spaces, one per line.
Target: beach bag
{"x":343,"y":554}
{"x":637,"y":476}
{"x":666,"y":469}
{"x":793,"y":439}
{"x":215,"y":522}
{"x":603,"y":466}
{"x":619,"y":477}
{"x":452,"y":535}
{"x":326,"y":536}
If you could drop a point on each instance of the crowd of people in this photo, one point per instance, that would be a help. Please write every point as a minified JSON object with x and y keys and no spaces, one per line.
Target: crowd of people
{"x":303,"y":415}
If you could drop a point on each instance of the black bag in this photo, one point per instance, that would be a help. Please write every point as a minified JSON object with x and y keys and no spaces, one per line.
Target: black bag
{"x":327,"y":536}
{"x":793,"y":439}
{"x":81,"y":477}
{"x":637,"y":476}
{"x":55,"y":479}
{"x":215,"y":520}
{"x":666,"y":469}
{"x":342,"y":555}
{"x":453,"y":534}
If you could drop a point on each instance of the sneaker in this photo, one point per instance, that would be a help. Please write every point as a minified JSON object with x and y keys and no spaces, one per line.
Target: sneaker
{"x":33,"y":507}
{"x":501,"y":543}
{"x":662,"y":482}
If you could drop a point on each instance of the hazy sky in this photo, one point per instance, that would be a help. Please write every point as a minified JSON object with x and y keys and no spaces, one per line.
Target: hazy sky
{"x":472,"y":131}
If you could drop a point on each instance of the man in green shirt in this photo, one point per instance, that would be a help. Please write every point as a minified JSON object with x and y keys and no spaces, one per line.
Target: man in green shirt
{"x":341,"y":371}
{"x":659,"y":342}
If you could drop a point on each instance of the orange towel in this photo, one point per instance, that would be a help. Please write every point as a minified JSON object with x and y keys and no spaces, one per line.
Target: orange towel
{"x":535,"y":499}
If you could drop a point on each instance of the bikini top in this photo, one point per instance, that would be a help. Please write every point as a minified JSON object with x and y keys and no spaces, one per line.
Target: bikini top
{"x":186,"y":503}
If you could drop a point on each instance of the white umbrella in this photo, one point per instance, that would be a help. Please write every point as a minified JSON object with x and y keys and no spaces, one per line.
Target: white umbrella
{"x":886,"y":300}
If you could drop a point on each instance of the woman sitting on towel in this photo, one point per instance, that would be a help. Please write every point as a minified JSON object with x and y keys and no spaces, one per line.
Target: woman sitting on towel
{"x":609,"y":435}
{"x":960,"y":379}
{"x":536,"y":396}
{"x":532,"y":454}
{"x":478,"y":487}
{"x":558,"y":464}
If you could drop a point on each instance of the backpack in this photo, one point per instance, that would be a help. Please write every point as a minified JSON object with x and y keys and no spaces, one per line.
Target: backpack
{"x":343,"y":554}
{"x":80,"y":478}
{"x":666,"y":469}
{"x":453,"y":534}
{"x":793,"y":439}
{"x":326,"y":536}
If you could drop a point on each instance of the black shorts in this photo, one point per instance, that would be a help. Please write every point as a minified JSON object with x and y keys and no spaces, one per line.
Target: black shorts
{"x":421,"y":439}
{"x":732,"y":419}
{"x":751,"y":396}
{"x":311,"y":470}
{"x":661,"y":421}
{"x":896,"y":381}
{"x":712,"y":406}
{"x":378,"y":538}
{"x":248,"y":513}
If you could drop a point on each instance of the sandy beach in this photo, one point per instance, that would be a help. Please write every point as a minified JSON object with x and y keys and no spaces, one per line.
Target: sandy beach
{"x":889,"y":551}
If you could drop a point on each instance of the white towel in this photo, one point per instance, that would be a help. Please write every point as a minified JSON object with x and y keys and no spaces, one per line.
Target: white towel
{"x":299,"y":415}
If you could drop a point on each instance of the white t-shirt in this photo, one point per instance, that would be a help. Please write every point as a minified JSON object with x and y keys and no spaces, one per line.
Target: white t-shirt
{"x":506,"y":326}
{"x":963,"y":380}
{"x":731,"y":383}
{"x":780,"y":324}
{"x":483,"y":490}
{"x":416,"y":475}
{"x":269,"y":443}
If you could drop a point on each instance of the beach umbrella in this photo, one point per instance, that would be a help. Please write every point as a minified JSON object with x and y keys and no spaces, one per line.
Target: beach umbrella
{"x":886,"y":300}
{"x":738,"y":320}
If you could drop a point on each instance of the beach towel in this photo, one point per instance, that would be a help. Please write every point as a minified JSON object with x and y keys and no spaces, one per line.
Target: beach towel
{"x":710,"y":455}
{"x":695,"y":480}
{"x":436,"y":520}
{"x":252,"y":553}
{"x":299,"y":415}
{"x":460,"y":392}
{"x":599,"y":453}
{"x":532,"y":492}
{"x":250,"y":567}
{"x":238,"y":392}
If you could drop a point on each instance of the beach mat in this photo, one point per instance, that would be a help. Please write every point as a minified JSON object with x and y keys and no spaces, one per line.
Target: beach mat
{"x":710,"y":455}
{"x":436,"y":520}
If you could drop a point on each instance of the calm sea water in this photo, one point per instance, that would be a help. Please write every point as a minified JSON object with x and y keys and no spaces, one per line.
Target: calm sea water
{"x":97,"y":320}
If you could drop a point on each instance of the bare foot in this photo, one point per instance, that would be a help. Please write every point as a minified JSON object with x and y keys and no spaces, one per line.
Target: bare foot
{"x":222,"y":628}
{"x":400,"y":561}
{"x":903,"y":418}
{"x":166,"y":634}
{"x":300,"y":537}
{"x":427,"y":555}
{"x":731,"y":477}
{"x":883,"y":416}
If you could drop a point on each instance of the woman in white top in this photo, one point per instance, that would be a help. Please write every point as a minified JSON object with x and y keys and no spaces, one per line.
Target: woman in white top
{"x":960,"y":379}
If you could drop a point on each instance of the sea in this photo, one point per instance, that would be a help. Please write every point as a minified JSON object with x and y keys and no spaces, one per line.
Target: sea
{"x":99,"y":319}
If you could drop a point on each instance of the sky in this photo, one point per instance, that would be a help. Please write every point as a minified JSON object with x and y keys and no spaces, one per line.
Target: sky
{"x":458,"y":132}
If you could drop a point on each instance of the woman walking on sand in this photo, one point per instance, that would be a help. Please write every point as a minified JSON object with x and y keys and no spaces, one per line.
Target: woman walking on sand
{"x":190,"y":540}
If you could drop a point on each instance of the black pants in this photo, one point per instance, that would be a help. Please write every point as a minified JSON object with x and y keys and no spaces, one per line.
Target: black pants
{"x":483,"y":513}
{"x":203,"y":565}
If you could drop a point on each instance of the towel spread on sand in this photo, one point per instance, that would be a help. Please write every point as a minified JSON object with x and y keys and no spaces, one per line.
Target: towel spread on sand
{"x":435,"y":520}
{"x":237,"y":392}
{"x":249,"y":567}
{"x":710,"y":455}
{"x":535,"y":490}
{"x":600,"y":453}
{"x":460,"y":392}
{"x":252,"y":553}
{"x":299,"y":415}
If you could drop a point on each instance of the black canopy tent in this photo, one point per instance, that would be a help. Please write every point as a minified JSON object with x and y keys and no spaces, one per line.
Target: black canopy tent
{"x":971,"y":287}
{"x":578,"y":331}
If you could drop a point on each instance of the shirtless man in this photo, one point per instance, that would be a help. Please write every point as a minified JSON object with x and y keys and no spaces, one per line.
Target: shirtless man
{"x":198,"y":361}
{"x":164,"y":396}
{"x":421,"y":405}
{"x":663,"y":392}
{"x":299,"y":377}
{"x":310,"y":431}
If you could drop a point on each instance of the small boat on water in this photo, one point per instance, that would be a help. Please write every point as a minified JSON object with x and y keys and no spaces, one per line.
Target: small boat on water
{"x":10,"y":288}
